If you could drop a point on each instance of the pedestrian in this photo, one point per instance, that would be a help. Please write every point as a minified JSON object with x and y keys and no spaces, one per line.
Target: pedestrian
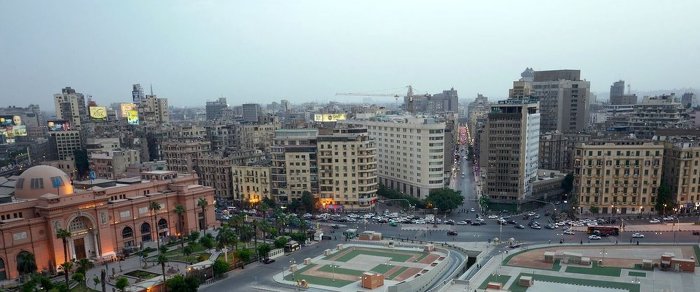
{"x":582,"y":241}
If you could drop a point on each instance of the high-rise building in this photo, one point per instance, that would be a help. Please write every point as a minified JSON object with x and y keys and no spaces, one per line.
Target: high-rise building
{"x":563,"y":98}
{"x":215,"y":109}
{"x":512,"y":135}
{"x":477,"y":111}
{"x":153,"y":111}
{"x":137,"y":93}
{"x":688,"y":99}
{"x":347,"y":168}
{"x":557,"y":150}
{"x":617,"y":177}
{"x":62,"y":144}
{"x":70,"y":106}
{"x":411,"y":152}
{"x":294,"y":168}
{"x":251,"y":112}
{"x":657,"y":112}
{"x":257,"y":136}
{"x":617,"y":89}
{"x":618,"y":96}
{"x":681,"y":167}
{"x":447,"y":101}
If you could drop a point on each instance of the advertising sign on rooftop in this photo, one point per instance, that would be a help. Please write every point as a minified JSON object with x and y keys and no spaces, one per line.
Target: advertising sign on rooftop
{"x":98,"y":113}
{"x":329,"y":117}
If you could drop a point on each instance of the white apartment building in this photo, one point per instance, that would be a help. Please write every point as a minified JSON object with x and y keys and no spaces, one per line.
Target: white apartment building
{"x":410,"y":152}
{"x":347,"y":168}
{"x":294,"y":169}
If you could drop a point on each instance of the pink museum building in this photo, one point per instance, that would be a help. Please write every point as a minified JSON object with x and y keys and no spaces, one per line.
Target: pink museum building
{"x":104,"y":217}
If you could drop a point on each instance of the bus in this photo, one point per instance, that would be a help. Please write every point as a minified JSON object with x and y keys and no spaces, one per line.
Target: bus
{"x":291,"y":246}
{"x":604,"y":230}
{"x":350,"y":233}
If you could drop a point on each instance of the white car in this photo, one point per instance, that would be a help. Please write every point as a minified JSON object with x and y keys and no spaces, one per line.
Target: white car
{"x":492,"y":217}
{"x":594,"y":237}
{"x":637,"y":235}
{"x":569,"y":232}
{"x":462,"y":223}
{"x":472,"y":210}
{"x":654,"y":221}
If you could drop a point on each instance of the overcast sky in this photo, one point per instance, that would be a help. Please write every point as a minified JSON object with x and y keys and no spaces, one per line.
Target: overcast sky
{"x":264,"y":51}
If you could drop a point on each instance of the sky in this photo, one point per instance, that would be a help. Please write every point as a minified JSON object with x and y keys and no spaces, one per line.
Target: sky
{"x":263,"y":51}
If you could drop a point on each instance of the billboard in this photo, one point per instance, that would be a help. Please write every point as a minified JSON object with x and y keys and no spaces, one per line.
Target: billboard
{"x":11,"y":126}
{"x":125,"y":108}
{"x":98,"y":113}
{"x":329,"y":117}
{"x":58,"y":125}
{"x":132,"y":117}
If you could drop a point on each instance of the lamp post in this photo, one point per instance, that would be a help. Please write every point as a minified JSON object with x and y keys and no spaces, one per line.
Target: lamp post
{"x":294,"y":276}
{"x":663,"y":212}
{"x":603,"y":252}
{"x":333,"y":267}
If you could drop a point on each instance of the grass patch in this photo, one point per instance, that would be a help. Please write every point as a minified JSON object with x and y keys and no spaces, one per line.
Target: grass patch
{"x":396,"y":257}
{"x":637,"y":274}
{"x":382,"y":268}
{"x":141,"y":274}
{"x":696,"y":248}
{"x":574,"y":281}
{"x":556,"y":266}
{"x":503,"y":279}
{"x":329,"y":269}
{"x":397,"y":273}
{"x":595,"y":270}
{"x":298,"y":275}
{"x":424,"y":255}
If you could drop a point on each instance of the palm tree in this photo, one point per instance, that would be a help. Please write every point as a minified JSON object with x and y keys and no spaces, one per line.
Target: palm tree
{"x":162,"y":259}
{"x":26,"y":263}
{"x":67,"y":267}
{"x":202,"y":203}
{"x":64,"y":234}
{"x":180,"y":210}
{"x":155,"y":207}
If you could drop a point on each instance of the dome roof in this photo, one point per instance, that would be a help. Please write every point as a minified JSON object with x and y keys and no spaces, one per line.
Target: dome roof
{"x":39,"y":180}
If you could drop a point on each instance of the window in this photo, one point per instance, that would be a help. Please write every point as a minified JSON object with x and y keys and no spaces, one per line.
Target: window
{"x":37,"y":183}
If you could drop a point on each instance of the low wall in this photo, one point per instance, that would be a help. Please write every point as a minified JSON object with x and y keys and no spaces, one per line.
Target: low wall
{"x":275,"y":253}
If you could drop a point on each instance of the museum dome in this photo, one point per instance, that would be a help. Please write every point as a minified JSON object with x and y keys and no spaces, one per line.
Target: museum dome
{"x":40,"y":180}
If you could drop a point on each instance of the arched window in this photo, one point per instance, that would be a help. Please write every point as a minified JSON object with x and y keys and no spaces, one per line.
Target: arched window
{"x":26,"y":263}
{"x":127,"y":232}
{"x":3,"y":273}
{"x":162,"y":224}
{"x":146,"y":232}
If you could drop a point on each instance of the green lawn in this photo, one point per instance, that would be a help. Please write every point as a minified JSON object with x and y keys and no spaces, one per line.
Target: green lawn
{"x":697,"y":254}
{"x":397,"y":273}
{"x":402,"y":257}
{"x":329,"y":269}
{"x":637,"y":274}
{"x":595,"y":270}
{"x":424,"y":255}
{"x":574,"y":281}
{"x":556,"y":266}
{"x":314,"y":279}
{"x":141,"y":274}
{"x":503,"y":279}
{"x":382,"y":269}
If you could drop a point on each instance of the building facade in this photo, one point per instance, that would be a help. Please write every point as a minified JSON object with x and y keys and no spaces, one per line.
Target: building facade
{"x":63,"y":144}
{"x":103,"y":222}
{"x":564,"y":100}
{"x":681,"y":173}
{"x":512,"y":135}
{"x":215,"y":109}
{"x":251,"y":112}
{"x":70,"y":106}
{"x":347,"y":168}
{"x":294,"y":164}
{"x":113,"y":164}
{"x":619,"y":177}
{"x":657,"y":112}
{"x":153,"y":111}
{"x":257,"y":136}
{"x":182,"y":155}
{"x":252,"y":183}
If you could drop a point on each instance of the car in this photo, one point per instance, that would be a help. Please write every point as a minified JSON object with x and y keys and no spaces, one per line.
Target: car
{"x":520,"y":226}
{"x":637,"y":235}
{"x":654,"y":221}
{"x":462,"y":222}
{"x":472,"y":210}
{"x":450,"y":222}
{"x":515,"y":245}
{"x":476,"y":223}
{"x":696,"y":232}
{"x":326,"y":237}
{"x":537,"y":216}
{"x":492,"y":217}
{"x":569,"y":232}
{"x":594,"y":237}
{"x":535,"y":226}
{"x":335,"y":226}
{"x":550,"y":226}
{"x":268,"y":261}
{"x":511,"y":221}
{"x":451,"y":232}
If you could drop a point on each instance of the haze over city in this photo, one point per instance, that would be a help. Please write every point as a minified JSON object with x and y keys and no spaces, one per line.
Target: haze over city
{"x":261,"y":51}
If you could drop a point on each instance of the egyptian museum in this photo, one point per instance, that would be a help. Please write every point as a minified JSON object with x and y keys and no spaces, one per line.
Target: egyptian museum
{"x":104,"y":217}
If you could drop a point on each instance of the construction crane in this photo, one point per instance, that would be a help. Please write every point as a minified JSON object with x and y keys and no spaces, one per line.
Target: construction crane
{"x":409,"y":94}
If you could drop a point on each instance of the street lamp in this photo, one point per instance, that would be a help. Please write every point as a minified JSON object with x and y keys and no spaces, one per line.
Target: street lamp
{"x":603,"y":252}
{"x":294,"y":276}
{"x":333,"y":267}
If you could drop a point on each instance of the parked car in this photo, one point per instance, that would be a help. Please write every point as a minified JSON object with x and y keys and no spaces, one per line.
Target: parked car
{"x":637,"y":235}
{"x":515,"y":245}
{"x":451,"y":232}
{"x":472,"y":210}
{"x":520,"y":226}
{"x":268,"y":261}
{"x":654,"y":221}
{"x":476,"y":223}
{"x":511,"y":221}
{"x":326,"y":237}
{"x":462,"y":223}
{"x":535,"y":226}
{"x":335,"y":226}
{"x":550,"y":226}
{"x":569,"y":232}
{"x":492,"y":217}
{"x":450,"y":222}
{"x":594,"y":237}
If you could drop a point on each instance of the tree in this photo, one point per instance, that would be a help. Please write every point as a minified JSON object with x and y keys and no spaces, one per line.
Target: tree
{"x":267,"y":201}
{"x":445,"y":199}
{"x":243,"y":255}
{"x":294,"y":206}
{"x":220,"y":267}
{"x":83,"y":266}
{"x":187,"y":251}
{"x":163,"y":249}
{"x":26,"y":263}
{"x":202,"y":203}
{"x":67,"y":268}
{"x":308,"y":202}
{"x":80,"y":278}
{"x":281,"y":241}
{"x":207,"y":241}
{"x":178,"y":283}
{"x":192,"y":238}
{"x":64,"y":234}
{"x":96,"y":280}
{"x":226,"y":236}
{"x":121,"y":283}
{"x":162,"y":260}
{"x":154,"y":207}
{"x":664,"y":200}
{"x":264,"y":249}
{"x":298,"y":236}
{"x":180,"y":210}
{"x":82,"y":162}
{"x":568,"y":183}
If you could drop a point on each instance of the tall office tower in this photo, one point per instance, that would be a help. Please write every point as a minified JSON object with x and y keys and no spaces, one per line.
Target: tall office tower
{"x":70,"y":106}
{"x":215,"y":109}
{"x":251,"y":112}
{"x":294,"y":169}
{"x":137,"y":93}
{"x":657,"y":112}
{"x":62,"y":144}
{"x":477,"y":111}
{"x":153,"y":111}
{"x":688,"y":99}
{"x":563,"y":99}
{"x":681,"y":167}
{"x":347,"y":168}
{"x":512,"y":138}
{"x":617,"y":89}
{"x":618,"y":96}
{"x":617,"y":177}
{"x":410,"y":152}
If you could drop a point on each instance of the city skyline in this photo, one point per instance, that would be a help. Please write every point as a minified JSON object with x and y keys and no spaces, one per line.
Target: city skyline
{"x":192,"y":52}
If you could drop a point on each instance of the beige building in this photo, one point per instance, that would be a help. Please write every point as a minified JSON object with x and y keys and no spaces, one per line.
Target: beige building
{"x":410,"y":152}
{"x":113,"y":164}
{"x":182,"y":155}
{"x":294,"y":168}
{"x":347,"y":168}
{"x":95,"y":145}
{"x":216,"y":172}
{"x":618,"y":177}
{"x":256,"y":136}
{"x":564,"y":100}
{"x":252,"y":183}
{"x":153,"y":111}
{"x":681,"y":167}
{"x":62,"y":144}
{"x":70,"y":106}
{"x":657,"y":112}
